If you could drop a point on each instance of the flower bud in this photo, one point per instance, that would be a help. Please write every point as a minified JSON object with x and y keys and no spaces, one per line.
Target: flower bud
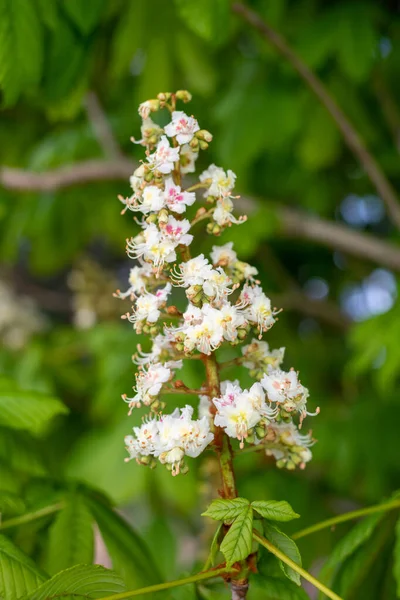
{"x":194,"y":144}
{"x":164,"y":96}
{"x":204,"y":135}
{"x":149,"y":176}
{"x":203,"y":145}
{"x":152,"y":218}
{"x":163,"y":216}
{"x":183,"y":95}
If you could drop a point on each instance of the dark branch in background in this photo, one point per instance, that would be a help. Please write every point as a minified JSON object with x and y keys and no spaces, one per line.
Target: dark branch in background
{"x":101,"y":127}
{"x":78,"y":174}
{"x":294,"y":298}
{"x":350,"y":135}
{"x":293,"y":223}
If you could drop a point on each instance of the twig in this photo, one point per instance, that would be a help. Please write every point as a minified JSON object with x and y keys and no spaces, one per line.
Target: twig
{"x":159,"y":587}
{"x":350,"y":135}
{"x":101,"y":127}
{"x":349,"y":516}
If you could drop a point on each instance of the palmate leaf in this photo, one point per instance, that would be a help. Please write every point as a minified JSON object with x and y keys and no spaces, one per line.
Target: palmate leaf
{"x":237,"y":543}
{"x":85,"y":15}
{"x":128,"y":551}
{"x":21,"y":48}
{"x":81,"y":581}
{"x":27,"y":410}
{"x":71,"y":536}
{"x":274,"y":588}
{"x":226,"y":510}
{"x":287,"y":546}
{"x":275,"y":510}
{"x":20,"y":452}
{"x":18,"y":573}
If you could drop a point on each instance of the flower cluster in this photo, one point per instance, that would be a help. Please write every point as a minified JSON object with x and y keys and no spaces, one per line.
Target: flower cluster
{"x":222,"y":303}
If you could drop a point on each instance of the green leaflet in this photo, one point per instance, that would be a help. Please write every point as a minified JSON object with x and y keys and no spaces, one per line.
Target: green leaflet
{"x":129,"y":553}
{"x":226,"y":510}
{"x":18,"y":573}
{"x":275,"y":510}
{"x":237,"y":543}
{"x":82,"y":581}
{"x":21,"y":48}
{"x":27,"y":410}
{"x":273,"y":588}
{"x":348,"y":545}
{"x":71,"y":539}
{"x":286,"y":545}
{"x":85,"y":15}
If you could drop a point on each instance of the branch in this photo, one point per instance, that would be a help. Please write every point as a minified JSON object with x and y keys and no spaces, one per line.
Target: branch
{"x":339,"y":237}
{"x":307,"y":576}
{"x":322,"y":310}
{"x":293,"y":223}
{"x":78,"y":174}
{"x":350,"y":135}
{"x":349,"y":516}
{"x":101,"y":127}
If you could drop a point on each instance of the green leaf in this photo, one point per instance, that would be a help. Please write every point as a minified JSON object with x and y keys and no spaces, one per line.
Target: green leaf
{"x":287,"y":546}
{"x":273,"y":588}
{"x":128,"y":37}
{"x":27,"y":410}
{"x":81,"y":581}
{"x":215,"y":545}
{"x":356,"y":537}
{"x":237,"y":543}
{"x":275,"y":510}
{"x":10,"y":504}
{"x":71,"y":536}
{"x":21,"y":48}
{"x":20,"y":452}
{"x":128,"y":550}
{"x":226,"y":510}
{"x":18,"y":573}
{"x":209,"y":19}
{"x":85,"y":15}
{"x":396,"y":557}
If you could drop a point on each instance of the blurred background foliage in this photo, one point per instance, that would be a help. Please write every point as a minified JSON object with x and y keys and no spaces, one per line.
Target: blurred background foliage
{"x":71,"y":75}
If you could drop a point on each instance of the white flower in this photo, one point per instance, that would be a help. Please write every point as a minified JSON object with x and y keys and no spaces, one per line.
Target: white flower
{"x":258,"y":355}
{"x":227,"y":316}
{"x":137,"y":281}
{"x":204,"y":337}
{"x":152,"y":200}
{"x":221,"y":184}
{"x":182,"y":126}
{"x":148,"y":385}
{"x":164,"y":156}
{"x":161,"y":345}
{"x":224,"y":255}
{"x":283,"y":387}
{"x":152,"y":246}
{"x":192,"y":272}
{"x":145,"y":109}
{"x":258,"y":309}
{"x":288,"y":446}
{"x":237,"y":418}
{"x":223,"y":216}
{"x":188,"y":159}
{"x":177,"y":231}
{"x":175,"y":199}
{"x":230,"y":391}
{"x":217,"y":284}
{"x":147,"y":306}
